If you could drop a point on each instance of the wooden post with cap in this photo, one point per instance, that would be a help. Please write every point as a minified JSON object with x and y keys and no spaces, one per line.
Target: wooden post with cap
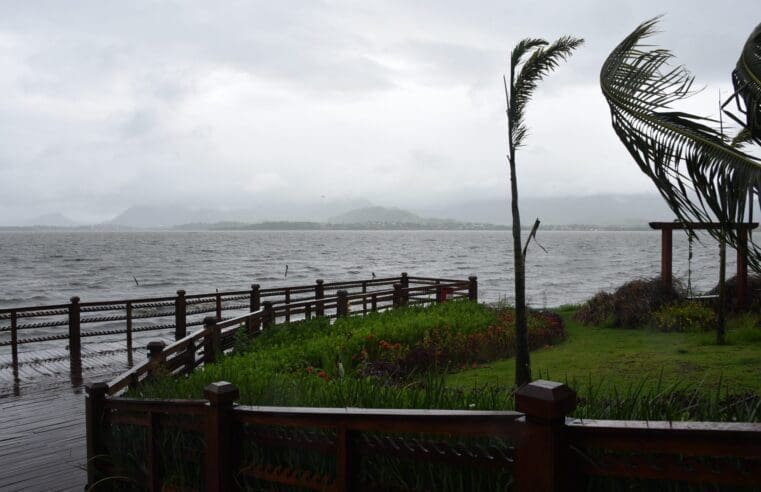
{"x":543,"y":456}
{"x":222,"y":456}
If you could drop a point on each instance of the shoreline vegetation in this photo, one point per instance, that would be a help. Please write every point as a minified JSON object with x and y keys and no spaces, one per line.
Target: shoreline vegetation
{"x":459,"y":355}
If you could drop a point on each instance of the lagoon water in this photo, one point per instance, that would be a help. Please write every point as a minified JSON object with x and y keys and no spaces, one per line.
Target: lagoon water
{"x":50,"y":267}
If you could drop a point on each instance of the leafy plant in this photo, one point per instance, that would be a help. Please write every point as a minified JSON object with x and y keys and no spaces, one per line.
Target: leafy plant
{"x":688,"y":316}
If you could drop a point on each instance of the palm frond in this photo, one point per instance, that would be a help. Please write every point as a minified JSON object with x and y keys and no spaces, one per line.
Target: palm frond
{"x":746,"y":78}
{"x":693,"y":165}
{"x":542,"y":60}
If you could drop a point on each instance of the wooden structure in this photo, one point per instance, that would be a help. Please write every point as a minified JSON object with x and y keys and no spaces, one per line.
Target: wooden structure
{"x":69,"y":325}
{"x":42,"y":426}
{"x":538,"y":447}
{"x":667,"y":229}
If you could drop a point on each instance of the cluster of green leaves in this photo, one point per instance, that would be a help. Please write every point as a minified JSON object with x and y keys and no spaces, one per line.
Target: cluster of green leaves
{"x":291,"y":364}
{"x":686,"y":316}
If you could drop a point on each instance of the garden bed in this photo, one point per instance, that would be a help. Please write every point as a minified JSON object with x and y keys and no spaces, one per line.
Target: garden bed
{"x":393,"y":359}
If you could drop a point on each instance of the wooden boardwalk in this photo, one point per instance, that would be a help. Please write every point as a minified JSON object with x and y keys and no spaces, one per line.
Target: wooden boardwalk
{"x":42,"y":418}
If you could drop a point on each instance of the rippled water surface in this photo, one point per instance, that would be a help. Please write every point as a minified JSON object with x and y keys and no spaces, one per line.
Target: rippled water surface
{"x":50,"y":267}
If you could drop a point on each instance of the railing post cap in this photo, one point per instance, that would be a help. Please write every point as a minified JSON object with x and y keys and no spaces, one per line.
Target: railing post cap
{"x":255,"y":286}
{"x":404,"y":274}
{"x":342,"y":293}
{"x":320,"y":281}
{"x":545,"y":400}
{"x":473,"y":277}
{"x":221,"y":393}
{"x":155,"y":346}
{"x":267,"y":304}
{"x":210,"y":320}
{"x":74,"y":300}
{"x":181,"y":292}
{"x":96,"y":389}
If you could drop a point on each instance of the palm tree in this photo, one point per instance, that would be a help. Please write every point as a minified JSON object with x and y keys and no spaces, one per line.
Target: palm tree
{"x":746,"y":78}
{"x":694,"y":166}
{"x":524,"y":76}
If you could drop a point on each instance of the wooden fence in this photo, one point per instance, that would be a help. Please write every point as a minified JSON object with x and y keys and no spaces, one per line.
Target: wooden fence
{"x":537,"y":448}
{"x":73,"y":322}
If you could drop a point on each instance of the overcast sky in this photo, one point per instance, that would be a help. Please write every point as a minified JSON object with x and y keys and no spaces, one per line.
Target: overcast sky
{"x":220,"y":104}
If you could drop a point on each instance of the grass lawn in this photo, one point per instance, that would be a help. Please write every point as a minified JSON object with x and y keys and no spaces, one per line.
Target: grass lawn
{"x":623,"y":358}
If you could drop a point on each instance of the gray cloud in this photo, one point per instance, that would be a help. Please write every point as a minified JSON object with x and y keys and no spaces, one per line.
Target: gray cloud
{"x":108,"y":104}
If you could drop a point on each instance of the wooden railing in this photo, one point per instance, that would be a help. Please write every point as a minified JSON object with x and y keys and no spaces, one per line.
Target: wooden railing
{"x":538,"y":448}
{"x":73,"y":322}
{"x":203,"y":346}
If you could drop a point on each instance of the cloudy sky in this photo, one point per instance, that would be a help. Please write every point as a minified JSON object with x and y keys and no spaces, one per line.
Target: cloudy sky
{"x":107,"y":104}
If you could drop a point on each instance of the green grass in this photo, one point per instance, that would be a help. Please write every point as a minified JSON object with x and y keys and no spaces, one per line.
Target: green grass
{"x":616,"y":359}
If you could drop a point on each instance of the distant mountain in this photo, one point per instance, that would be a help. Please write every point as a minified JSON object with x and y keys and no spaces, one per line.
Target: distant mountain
{"x":149,"y":216}
{"x":165,"y":216}
{"x":604,"y":210}
{"x":51,"y":220}
{"x":377,"y":215}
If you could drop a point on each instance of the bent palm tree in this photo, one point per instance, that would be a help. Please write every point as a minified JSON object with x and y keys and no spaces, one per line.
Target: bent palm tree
{"x":698,"y":172}
{"x":543,"y":58}
{"x":746,"y":78}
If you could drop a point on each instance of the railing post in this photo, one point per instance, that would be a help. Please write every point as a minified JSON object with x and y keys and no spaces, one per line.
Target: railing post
{"x":374,"y":302}
{"x":128,"y":308}
{"x":473,"y":288}
{"x":95,"y":422}
{"x":404,"y":299}
{"x":544,"y":462}
{"x":396,"y":301}
{"x":255,"y":305}
{"x":342,"y":305}
{"x":319,"y":293}
{"x":220,"y":460}
{"x":218,"y":299}
{"x":211,"y":340}
{"x":439,"y":292}
{"x":190,"y":357}
{"x":75,"y":343}
{"x":347,"y":460}
{"x":155,"y":353}
{"x":287,"y":305}
{"x":180,"y":316}
{"x":14,"y":341}
{"x":155,"y":348}
{"x":268,"y":317}
{"x":364,"y":298}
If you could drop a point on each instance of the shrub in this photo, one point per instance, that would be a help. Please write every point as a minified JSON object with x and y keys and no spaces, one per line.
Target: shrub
{"x":444,"y":347}
{"x":631,"y":305}
{"x":596,"y":310}
{"x":688,"y":316}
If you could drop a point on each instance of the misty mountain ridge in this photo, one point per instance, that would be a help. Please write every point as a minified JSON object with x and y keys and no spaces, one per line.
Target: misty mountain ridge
{"x":611,"y":210}
{"x":603,"y":210}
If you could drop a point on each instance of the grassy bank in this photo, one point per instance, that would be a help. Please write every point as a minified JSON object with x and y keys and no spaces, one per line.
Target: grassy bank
{"x":619,"y":360}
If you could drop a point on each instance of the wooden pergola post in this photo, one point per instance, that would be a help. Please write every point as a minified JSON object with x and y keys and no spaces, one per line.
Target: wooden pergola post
{"x":667,"y":234}
{"x":742,"y":268}
{"x":667,"y":229}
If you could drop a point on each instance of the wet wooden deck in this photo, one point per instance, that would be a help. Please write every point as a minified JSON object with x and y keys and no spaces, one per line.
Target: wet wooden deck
{"x":42,"y":418}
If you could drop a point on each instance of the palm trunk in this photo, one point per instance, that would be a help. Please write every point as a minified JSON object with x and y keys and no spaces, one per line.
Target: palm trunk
{"x":522,"y":356}
{"x":721,"y":324}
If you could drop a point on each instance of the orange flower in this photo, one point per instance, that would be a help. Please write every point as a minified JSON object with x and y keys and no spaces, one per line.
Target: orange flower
{"x":310,"y":369}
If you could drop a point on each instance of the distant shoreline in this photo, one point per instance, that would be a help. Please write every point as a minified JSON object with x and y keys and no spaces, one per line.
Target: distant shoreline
{"x":316,"y":226}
